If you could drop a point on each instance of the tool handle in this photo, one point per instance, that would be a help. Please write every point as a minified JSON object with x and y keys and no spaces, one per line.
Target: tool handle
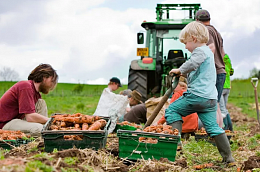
{"x":254,"y":80}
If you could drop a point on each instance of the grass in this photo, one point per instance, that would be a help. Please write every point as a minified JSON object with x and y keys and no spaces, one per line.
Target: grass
{"x":242,"y":95}
{"x":69,"y":98}
{"x":72,"y":98}
{"x":83,"y":98}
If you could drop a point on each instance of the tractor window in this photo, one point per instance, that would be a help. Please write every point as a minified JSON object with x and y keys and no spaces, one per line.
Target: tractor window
{"x":152,"y":46}
{"x":171,"y":41}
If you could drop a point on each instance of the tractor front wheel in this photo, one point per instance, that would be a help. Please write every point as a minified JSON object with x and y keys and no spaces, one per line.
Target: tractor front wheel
{"x":137,"y":80}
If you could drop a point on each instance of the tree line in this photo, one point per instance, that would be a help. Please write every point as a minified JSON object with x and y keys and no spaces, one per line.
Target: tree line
{"x":8,"y":74}
{"x":254,"y":73}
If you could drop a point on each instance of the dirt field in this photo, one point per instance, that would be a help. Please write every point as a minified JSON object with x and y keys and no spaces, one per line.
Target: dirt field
{"x":31,"y":157}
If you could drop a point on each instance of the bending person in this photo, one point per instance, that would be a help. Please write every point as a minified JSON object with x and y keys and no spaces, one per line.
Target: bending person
{"x":22,"y":108}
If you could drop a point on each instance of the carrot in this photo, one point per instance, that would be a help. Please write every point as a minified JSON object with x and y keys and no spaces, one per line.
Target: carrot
{"x":77,"y":127}
{"x":96,"y":118}
{"x":199,"y":167}
{"x":95,"y":126}
{"x":63,"y":124}
{"x":85,"y":126}
{"x":54,"y":127}
{"x":79,"y":120}
{"x":98,"y":125}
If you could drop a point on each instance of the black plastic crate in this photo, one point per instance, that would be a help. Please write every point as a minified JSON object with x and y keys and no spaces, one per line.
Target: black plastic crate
{"x":91,"y":139}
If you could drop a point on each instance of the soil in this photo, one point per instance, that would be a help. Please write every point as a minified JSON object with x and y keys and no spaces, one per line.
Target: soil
{"x":107,"y":159}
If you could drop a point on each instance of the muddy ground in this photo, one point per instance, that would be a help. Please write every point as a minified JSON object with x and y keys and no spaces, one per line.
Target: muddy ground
{"x":31,"y":157}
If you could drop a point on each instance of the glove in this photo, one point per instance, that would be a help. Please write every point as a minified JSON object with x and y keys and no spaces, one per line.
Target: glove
{"x":231,"y":72}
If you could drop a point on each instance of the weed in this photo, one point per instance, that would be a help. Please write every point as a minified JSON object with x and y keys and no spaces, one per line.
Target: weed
{"x":34,"y":149}
{"x":252,"y":143}
{"x":36,"y":165}
{"x":78,"y":88}
{"x":234,"y":146}
{"x":66,"y":169}
{"x":71,"y":160}
{"x":2,"y":155}
{"x":89,"y":168}
{"x":258,"y":153}
{"x":55,"y":150}
{"x":43,"y":155}
{"x":80,"y":106}
{"x":257,"y":136}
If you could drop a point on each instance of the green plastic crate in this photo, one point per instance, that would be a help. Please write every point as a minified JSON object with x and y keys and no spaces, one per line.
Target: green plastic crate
{"x":91,"y":139}
{"x":8,"y":144}
{"x":131,"y":148}
{"x":124,"y":127}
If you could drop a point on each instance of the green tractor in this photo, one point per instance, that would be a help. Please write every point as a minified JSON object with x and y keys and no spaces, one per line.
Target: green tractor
{"x":162,"y":51}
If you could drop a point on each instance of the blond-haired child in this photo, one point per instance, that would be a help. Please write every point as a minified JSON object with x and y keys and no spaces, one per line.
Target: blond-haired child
{"x":201,"y":95}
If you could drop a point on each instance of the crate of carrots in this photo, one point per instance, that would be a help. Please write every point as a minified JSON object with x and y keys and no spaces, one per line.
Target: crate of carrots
{"x":202,"y":135}
{"x":65,"y":131}
{"x":10,"y":139}
{"x":153,"y":142}
{"x":125,"y":125}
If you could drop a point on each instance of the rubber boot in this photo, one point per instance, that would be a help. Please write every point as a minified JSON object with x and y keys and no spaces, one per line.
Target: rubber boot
{"x":178,"y":125}
{"x":225,"y":121}
{"x":223,"y":146}
{"x":230,"y":125}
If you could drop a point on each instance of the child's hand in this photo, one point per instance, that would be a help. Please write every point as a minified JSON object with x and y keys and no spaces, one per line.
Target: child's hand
{"x":175,"y":71}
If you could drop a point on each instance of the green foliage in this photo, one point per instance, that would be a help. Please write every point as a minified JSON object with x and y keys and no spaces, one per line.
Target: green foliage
{"x":193,"y":148}
{"x":235,"y":145}
{"x":70,"y":160}
{"x":64,"y":100}
{"x":253,"y":143}
{"x":55,"y":150}
{"x":242,"y":95}
{"x":78,"y":88}
{"x":90,"y":169}
{"x":2,"y":154}
{"x":257,"y":153}
{"x":36,"y":165}
{"x":80,"y":107}
{"x":254,"y":73}
{"x":66,"y":169}
{"x":43,"y":155}
{"x":34,"y":149}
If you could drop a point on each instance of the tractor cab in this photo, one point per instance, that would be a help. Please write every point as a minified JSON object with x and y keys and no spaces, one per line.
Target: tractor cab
{"x":162,"y":50}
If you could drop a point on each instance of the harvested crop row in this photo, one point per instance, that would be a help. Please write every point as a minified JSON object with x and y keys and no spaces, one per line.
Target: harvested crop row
{"x":12,"y":135}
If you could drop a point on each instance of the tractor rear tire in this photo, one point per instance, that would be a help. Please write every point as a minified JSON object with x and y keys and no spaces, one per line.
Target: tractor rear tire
{"x":137,"y":80}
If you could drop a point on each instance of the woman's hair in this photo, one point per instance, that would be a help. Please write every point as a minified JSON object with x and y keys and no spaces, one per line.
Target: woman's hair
{"x":43,"y":70}
{"x":195,"y":29}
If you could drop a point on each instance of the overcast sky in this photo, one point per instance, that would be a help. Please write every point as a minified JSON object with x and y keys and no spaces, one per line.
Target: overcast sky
{"x":89,"y":41}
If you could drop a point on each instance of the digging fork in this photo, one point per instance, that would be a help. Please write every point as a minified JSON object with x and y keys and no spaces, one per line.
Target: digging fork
{"x":256,"y":97}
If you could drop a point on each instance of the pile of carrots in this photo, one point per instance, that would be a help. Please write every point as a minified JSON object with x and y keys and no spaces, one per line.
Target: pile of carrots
{"x":77,"y":121}
{"x":130,"y":124}
{"x":12,"y":135}
{"x":202,"y":131}
{"x":163,"y":129}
